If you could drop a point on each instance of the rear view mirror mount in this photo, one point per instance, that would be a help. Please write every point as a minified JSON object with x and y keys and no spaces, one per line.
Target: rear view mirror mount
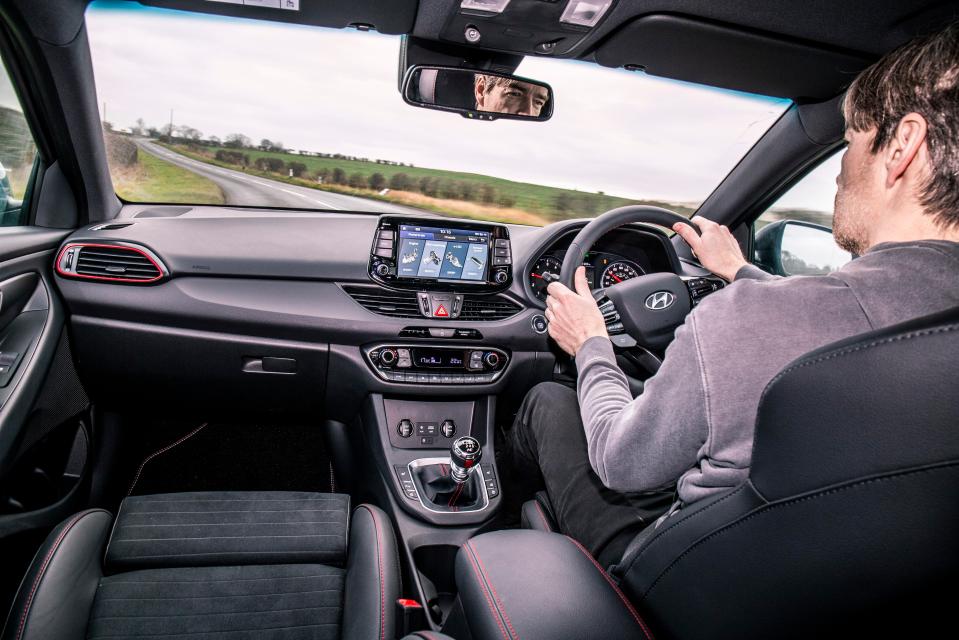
{"x":478,"y":95}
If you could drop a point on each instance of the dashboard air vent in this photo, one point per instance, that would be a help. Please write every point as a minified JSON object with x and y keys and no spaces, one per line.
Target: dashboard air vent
{"x":111,"y":263}
{"x":396,"y":304}
{"x":488,"y":308}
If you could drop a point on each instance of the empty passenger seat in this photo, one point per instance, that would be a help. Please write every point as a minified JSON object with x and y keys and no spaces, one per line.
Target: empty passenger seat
{"x":212,"y":565}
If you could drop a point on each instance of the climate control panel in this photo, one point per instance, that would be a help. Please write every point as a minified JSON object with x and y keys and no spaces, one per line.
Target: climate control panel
{"x":425,"y":364}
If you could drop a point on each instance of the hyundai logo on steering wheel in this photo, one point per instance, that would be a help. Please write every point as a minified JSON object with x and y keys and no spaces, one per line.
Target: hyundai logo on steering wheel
{"x":660,"y":300}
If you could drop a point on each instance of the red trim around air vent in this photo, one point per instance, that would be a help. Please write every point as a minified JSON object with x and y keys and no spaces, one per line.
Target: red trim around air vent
{"x":67,"y":274}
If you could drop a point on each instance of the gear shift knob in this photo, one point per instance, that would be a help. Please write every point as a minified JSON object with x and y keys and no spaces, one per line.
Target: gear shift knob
{"x":465,"y":455}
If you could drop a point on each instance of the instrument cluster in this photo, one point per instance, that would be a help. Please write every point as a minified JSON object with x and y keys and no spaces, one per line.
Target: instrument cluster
{"x":602,"y":270}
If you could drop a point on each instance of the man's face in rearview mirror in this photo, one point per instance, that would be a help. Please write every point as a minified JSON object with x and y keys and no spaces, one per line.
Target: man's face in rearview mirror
{"x":505,"y":95}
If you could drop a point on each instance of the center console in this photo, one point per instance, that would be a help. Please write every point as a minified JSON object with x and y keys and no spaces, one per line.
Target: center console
{"x":435,"y":452}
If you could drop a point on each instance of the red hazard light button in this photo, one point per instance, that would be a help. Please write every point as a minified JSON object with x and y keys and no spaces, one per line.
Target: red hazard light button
{"x":441,"y":312}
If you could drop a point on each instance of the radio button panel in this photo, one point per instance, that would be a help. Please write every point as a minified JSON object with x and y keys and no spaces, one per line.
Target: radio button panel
{"x":447,"y":364}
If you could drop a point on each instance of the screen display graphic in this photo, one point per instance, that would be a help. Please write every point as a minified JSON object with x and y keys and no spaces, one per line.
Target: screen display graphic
{"x":442,"y":254}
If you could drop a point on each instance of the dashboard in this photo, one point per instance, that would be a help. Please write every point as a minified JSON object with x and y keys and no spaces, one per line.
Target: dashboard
{"x":281,"y":308}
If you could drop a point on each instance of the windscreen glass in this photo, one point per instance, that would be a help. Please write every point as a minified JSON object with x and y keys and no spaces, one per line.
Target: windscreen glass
{"x":200,"y":109}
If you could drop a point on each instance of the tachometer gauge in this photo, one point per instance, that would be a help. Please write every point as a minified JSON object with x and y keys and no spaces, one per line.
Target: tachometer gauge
{"x":619,"y":272}
{"x":545,"y":270}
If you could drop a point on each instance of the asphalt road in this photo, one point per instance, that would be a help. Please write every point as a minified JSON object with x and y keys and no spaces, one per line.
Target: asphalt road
{"x":253,"y":191}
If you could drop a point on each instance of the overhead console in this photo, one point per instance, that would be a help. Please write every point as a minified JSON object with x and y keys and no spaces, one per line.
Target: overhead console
{"x":430,"y":255}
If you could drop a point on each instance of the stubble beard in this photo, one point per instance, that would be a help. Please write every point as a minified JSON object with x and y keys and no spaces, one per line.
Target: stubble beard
{"x":849,"y":224}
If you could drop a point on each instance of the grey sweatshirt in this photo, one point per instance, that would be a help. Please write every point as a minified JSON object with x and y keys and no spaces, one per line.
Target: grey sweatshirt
{"x":694,"y":421}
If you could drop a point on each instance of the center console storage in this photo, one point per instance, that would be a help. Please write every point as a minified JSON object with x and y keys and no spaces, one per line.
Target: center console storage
{"x":539,"y":586}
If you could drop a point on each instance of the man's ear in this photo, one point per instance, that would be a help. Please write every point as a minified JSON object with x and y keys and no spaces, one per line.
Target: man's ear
{"x":479,"y":92}
{"x":907,"y":140}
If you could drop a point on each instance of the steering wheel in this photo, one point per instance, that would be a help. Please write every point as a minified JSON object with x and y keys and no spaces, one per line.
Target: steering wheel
{"x":645,"y":310}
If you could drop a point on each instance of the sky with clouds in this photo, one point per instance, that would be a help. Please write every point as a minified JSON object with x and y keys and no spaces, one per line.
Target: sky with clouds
{"x":335,"y":91}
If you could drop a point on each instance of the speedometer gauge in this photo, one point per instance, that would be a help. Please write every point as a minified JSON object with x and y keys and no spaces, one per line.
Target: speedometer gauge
{"x":545,"y":270}
{"x":619,"y":272}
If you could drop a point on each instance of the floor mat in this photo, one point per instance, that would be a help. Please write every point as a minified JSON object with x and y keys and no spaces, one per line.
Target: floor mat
{"x":237,"y":457}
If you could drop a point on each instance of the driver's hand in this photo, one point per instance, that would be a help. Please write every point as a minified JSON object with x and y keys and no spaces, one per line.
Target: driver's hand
{"x":716,"y":248}
{"x":573,"y":316}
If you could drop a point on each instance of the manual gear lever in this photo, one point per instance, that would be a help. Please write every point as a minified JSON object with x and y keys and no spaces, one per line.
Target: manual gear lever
{"x":465,"y":456}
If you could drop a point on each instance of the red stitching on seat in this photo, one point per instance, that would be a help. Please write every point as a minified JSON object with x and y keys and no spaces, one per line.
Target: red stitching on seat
{"x":485,"y":589}
{"x":542,"y":515}
{"x":499,"y":603}
{"x":379,"y":564}
{"x":43,"y":568}
{"x":622,"y":597}
{"x":163,"y":450}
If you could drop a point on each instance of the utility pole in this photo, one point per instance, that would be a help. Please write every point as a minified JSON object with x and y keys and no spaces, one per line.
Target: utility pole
{"x":170,"y":132}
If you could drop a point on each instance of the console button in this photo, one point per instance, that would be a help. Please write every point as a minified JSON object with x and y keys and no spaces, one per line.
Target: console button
{"x":446,"y":379}
{"x":404,"y":359}
{"x":405,"y":428}
{"x":435,"y":378}
{"x":448,"y":428}
{"x":492,"y":489}
{"x":424,"y":299}
{"x":422,"y":378}
{"x":426,"y":441}
{"x":539,"y":324}
{"x":426,"y":428}
{"x":501,"y":242}
{"x":442,"y":332}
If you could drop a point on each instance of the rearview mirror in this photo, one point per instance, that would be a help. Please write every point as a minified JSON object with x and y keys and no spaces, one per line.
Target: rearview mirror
{"x":480,"y":95}
{"x":795,"y":248}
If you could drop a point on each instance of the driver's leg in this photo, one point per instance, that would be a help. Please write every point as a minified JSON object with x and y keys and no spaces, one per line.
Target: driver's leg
{"x":548,"y":436}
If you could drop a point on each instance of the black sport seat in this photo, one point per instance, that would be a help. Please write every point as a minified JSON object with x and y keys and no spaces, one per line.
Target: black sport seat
{"x":848,"y":523}
{"x":214,"y":565}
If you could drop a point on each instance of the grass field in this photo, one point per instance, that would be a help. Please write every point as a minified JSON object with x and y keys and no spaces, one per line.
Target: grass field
{"x":527,"y":203}
{"x":154,"y":180}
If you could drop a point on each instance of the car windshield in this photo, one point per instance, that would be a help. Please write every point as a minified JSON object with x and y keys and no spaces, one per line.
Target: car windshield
{"x":199,"y":109}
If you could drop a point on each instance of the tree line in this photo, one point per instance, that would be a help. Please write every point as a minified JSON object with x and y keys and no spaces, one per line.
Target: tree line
{"x":433,"y":187}
{"x":185,"y":134}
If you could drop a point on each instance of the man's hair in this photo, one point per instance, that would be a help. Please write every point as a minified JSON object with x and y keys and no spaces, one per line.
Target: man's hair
{"x":922,"y":76}
{"x":489,"y":82}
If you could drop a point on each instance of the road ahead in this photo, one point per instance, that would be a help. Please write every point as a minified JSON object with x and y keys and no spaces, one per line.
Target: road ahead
{"x":253,"y":191}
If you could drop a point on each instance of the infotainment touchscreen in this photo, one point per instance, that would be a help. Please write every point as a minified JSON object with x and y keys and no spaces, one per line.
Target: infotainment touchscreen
{"x":442,"y":254}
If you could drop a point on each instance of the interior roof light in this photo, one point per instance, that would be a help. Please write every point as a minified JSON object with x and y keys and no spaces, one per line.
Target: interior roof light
{"x":489,"y":6}
{"x":585,"y":13}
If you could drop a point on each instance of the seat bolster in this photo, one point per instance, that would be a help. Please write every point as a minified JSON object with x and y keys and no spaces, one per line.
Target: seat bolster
{"x":55,"y":597}
{"x":427,"y":635}
{"x":372,"y":577}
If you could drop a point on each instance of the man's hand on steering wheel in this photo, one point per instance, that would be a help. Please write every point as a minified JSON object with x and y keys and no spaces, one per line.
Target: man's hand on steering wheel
{"x":715,"y":247}
{"x":573,"y":316}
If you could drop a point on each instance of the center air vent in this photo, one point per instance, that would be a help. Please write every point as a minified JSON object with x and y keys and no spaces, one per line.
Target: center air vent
{"x":488,"y":308}
{"x":112,"y":263}
{"x":404,"y":304}
{"x":395,"y":304}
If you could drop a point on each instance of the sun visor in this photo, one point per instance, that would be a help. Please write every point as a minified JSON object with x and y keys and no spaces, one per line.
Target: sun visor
{"x":695,"y":51}
{"x":393,"y":17}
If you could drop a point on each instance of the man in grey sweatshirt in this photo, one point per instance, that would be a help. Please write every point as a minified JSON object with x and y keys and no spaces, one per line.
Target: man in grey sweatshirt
{"x":613,"y":472}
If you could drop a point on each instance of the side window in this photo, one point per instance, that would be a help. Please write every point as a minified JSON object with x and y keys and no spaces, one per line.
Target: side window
{"x":794,"y":236}
{"x":17,"y":154}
